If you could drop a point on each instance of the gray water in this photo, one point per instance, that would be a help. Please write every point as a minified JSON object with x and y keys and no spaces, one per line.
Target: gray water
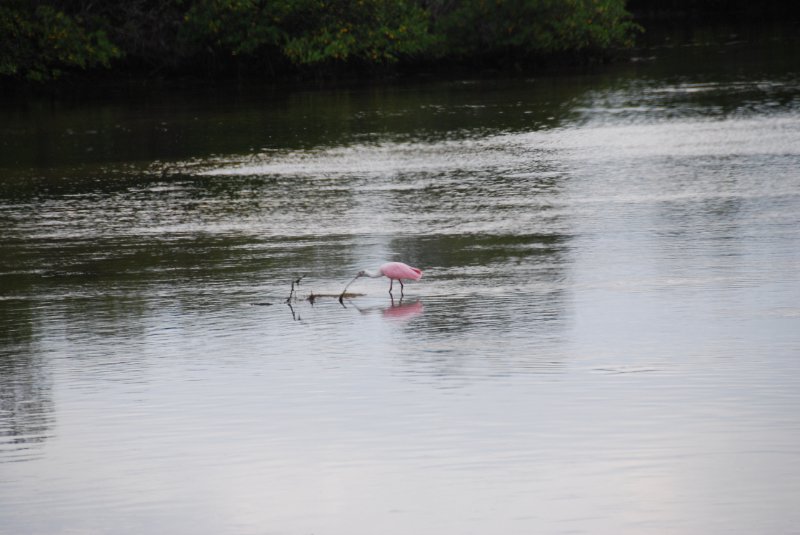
{"x":606,"y":338}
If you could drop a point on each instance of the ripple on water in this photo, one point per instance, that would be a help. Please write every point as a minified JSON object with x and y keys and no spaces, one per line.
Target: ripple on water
{"x":609,"y":302}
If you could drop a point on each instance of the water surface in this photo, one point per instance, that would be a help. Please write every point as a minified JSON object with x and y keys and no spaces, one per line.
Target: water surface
{"x":605,"y":339}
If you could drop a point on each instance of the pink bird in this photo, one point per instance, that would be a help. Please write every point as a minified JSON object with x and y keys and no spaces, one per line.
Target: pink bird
{"x":395,"y":271}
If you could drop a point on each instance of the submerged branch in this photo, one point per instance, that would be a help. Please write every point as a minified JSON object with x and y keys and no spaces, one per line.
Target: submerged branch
{"x":312,"y":297}
{"x":291,"y":292}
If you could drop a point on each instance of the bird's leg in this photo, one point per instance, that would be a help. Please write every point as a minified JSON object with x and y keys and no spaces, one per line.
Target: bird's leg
{"x":401,"y":288}
{"x":391,"y":282}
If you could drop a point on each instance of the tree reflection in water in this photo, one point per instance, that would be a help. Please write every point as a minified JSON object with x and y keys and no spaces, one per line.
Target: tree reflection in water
{"x":26,"y":401}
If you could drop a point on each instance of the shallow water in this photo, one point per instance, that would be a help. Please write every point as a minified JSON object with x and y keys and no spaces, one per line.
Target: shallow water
{"x":605,"y":339}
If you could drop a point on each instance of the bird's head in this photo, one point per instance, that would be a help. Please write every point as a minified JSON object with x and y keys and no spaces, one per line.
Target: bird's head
{"x":362,"y":273}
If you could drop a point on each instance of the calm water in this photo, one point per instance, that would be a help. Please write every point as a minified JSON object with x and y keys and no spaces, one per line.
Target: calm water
{"x":606,"y":338}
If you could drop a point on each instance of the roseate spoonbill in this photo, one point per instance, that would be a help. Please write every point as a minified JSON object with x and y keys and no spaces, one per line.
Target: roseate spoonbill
{"x":395,"y":271}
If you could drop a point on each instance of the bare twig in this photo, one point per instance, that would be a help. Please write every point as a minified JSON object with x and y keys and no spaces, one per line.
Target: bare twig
{"x":291,"y":292}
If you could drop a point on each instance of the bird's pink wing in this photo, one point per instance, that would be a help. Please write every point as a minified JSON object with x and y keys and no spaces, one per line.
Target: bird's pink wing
{"x":399,"y":270}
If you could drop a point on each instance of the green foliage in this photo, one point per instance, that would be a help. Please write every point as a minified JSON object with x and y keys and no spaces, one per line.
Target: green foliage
{"x":532,"y":28}
{"x":309,"y":32}
{"x":234,"y":26}
{"x":39,"y":43}
{"x":367,"y":31}
{"x":40,"y":39}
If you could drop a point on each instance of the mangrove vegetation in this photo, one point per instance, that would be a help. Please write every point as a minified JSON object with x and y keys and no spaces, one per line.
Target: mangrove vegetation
{"x":47,"y":39}
{"x":43,"y":40}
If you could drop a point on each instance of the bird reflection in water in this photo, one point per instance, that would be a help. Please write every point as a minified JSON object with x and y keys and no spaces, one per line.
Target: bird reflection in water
{"x":403,"y":311}
{"x":397,"y":311}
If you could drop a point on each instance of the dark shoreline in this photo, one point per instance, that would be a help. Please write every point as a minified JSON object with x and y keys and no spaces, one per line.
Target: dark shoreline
{"x":660,"y":27}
